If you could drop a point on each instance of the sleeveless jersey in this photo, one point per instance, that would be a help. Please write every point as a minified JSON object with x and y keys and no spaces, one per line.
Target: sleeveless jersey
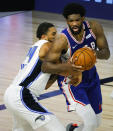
{"x":30,"y":75}
{"x":21,"y":96}
{"x":89,"y":40}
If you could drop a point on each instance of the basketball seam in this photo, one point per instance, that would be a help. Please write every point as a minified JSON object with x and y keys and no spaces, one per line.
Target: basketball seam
{"x":84,"y":60}
{"x":89,"y":55}
{"x":83,"y":53}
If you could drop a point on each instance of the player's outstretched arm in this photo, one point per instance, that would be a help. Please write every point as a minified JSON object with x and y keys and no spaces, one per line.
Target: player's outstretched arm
{"x":102,"y":44}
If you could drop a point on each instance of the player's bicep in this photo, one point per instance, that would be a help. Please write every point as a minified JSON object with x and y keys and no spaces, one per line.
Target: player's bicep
{"x":54,"y":54}
{"x":101,"y":42}
{"x":100,"y":36}
{"x":43,"y":51}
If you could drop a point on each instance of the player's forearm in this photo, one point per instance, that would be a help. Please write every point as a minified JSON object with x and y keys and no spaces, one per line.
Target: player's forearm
{"x":51,"y":80}
{"x":60,"y":69}
{"x":103,"y":53}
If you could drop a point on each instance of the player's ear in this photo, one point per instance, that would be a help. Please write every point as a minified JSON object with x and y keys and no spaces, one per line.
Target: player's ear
{"x":44,"y":37}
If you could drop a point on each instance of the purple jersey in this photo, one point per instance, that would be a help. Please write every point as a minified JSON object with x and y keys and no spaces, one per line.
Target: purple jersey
{"x":90,"y":78}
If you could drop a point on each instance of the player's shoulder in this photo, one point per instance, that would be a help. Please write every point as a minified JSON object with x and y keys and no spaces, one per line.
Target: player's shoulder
{"x":61,"y":41}
{"x":95,"y":26}
{"x":61,"y":37}
{"x":43,"y":45}
{"x":44,"y":49}
{"x":46,"y":45}
{"x":40,"y":42}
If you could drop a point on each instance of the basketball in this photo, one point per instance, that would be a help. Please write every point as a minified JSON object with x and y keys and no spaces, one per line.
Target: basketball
{"x":84,"y":57}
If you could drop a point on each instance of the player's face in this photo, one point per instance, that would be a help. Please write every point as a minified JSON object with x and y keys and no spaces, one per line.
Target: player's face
{"x":51,"y":34}
{"x":75,"y":23}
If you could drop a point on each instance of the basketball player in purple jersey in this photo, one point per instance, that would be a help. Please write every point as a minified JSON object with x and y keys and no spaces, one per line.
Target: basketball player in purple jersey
{"x":85,"y":98}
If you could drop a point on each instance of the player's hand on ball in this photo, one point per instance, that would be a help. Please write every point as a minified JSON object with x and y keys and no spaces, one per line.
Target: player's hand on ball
{"x":84,"y":57}
{"x":76,"y":80}
{"x":71,"y":70}
{"x":75,"y":67}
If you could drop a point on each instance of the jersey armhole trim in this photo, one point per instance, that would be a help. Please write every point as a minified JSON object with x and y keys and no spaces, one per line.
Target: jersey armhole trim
{"x":91,"y":30}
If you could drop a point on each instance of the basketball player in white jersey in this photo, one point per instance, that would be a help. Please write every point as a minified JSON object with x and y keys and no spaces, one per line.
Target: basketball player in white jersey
{"x":85,"y":98}
{"x":21,"y":96}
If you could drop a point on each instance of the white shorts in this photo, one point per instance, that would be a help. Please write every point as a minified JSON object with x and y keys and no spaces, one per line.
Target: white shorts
{"x":24,"y":105}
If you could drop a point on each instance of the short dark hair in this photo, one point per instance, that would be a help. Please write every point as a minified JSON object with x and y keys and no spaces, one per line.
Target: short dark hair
{"x":43,"y":29}
{"x":73,"y":8}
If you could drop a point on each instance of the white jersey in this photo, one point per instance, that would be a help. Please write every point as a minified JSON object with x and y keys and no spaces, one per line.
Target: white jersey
{"x":21,"y":96}
{"x":30,"y":75}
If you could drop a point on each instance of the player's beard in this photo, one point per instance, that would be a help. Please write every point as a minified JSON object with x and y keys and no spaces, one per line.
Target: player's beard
{"x":75,"y":32}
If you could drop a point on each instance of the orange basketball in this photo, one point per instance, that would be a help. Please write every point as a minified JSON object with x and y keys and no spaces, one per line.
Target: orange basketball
{"x":84,"y":57}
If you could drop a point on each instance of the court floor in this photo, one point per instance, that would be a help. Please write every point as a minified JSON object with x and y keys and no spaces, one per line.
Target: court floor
{"x":17,"y":34}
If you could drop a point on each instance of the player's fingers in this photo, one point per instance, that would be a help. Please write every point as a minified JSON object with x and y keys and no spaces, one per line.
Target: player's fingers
{"x":70,"y":60}
{"x":70,"y":76}
{"x":77,"y":68}
{"x":87,"y":47}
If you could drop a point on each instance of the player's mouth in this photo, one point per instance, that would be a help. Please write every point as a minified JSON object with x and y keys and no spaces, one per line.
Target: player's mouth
{"x":75,"y":29}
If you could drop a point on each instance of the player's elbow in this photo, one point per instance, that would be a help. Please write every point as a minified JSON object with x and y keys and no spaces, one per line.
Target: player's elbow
{"x":46,"y":67}
{"x":107,"y":56}
{"x":103,"y":54}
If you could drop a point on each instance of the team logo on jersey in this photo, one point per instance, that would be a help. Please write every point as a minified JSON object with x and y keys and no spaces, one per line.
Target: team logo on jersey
{"x":88,"y":36}
{"x":41,"y":117}
{"x":74,"y":46}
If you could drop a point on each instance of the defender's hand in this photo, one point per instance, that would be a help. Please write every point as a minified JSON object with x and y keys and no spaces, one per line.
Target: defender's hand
{"x":76,"y":80}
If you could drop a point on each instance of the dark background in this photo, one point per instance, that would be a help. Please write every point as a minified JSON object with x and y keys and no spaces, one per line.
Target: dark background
{"x":94,"y":9}
{"x":16,"y":5}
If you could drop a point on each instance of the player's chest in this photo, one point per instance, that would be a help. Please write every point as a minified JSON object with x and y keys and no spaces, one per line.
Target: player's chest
{"x":88,"y":40}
